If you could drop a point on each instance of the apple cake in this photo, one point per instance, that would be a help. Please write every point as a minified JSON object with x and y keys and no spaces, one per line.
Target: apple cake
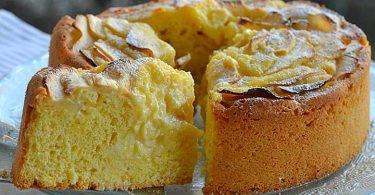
{"x":283,"y":87}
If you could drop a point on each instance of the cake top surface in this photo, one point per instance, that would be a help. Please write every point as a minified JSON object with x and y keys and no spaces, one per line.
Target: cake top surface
{"x":279,"y":63}
{"x":252,"y":48}
{"x":124,"y":75}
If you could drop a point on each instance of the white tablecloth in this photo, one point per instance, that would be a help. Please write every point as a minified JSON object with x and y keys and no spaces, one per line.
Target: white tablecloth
{"x":19,"y":42}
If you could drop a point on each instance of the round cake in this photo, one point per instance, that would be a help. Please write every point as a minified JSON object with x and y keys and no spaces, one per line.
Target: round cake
{"x":283,"y":87}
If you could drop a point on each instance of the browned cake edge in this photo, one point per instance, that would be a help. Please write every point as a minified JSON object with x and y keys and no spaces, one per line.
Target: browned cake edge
{"x":35,"y":87}
{"x":265,"y":145}
{"x":60,"y":51}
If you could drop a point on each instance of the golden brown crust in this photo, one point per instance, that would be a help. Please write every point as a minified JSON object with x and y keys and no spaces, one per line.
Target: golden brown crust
{"x":265,"y":145}
{"x":35,"y":87}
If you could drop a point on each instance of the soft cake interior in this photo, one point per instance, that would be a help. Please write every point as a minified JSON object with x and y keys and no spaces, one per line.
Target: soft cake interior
{"x":105,"y":134}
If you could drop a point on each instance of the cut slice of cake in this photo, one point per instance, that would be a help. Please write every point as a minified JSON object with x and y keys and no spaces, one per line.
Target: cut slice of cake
{"x":127,"y":127}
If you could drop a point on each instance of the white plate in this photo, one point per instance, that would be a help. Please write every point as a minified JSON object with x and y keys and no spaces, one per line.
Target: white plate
{"x":358,"y":177}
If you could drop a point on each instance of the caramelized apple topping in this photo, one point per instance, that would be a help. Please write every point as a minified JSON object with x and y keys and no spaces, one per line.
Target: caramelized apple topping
{"x":295,"y":16}
{"x":321,"y":22}
{"x":104,"y":40}
{"x":276,"y":49}
{"x":81,"y":26}
{"x":183,"y":60}
{"x":303,"y":87}
{"x":265,"y":92}
{"x":278,"y":63}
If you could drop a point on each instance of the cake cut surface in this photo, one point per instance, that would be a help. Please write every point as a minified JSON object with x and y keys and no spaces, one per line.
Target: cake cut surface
{"x":127,"y":127}
{"x":283,"y":87}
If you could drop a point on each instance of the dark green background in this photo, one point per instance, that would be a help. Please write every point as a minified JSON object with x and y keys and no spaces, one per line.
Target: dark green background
{"x":45,"y":13}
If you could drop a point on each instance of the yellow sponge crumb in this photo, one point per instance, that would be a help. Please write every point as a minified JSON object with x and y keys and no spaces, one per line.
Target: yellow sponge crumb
{"x":125,"y":128}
